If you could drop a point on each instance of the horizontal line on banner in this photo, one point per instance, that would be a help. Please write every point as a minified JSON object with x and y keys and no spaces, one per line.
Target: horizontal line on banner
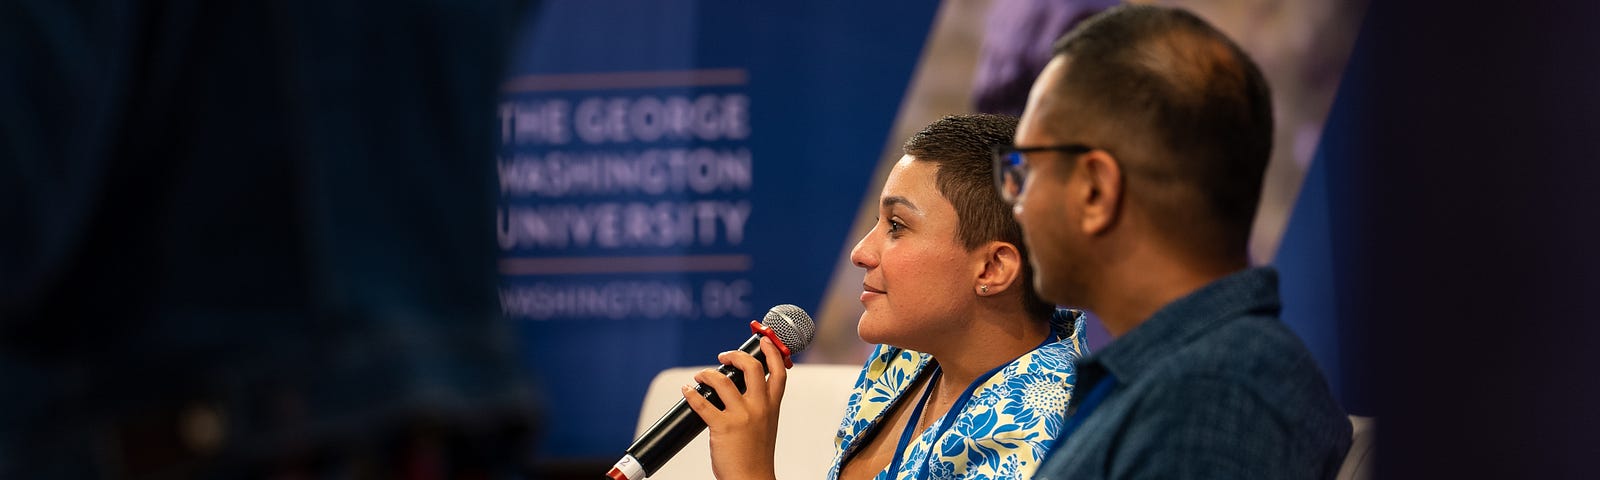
{"x":715,"y":77}
{"x":601,"y":265}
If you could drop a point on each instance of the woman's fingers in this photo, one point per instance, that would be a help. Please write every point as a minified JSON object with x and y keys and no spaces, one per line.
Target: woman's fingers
{"x":723,"y":386}
{"x":755,"y":381}
{"x":699,"y":404}
{"x":777,"y":376}
{"x":764,"y":382}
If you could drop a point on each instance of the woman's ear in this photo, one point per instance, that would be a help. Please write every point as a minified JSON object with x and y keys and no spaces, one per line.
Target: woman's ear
{"x":1002,"y":265}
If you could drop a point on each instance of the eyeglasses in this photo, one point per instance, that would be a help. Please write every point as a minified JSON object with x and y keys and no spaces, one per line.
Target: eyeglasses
{"x":1011,"y":166}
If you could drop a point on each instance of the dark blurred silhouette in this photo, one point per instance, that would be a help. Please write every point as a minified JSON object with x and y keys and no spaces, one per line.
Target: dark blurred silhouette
{"x":253,"y":239}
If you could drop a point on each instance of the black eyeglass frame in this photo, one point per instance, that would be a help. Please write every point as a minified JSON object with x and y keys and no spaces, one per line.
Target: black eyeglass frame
{"x":1009,"y":160}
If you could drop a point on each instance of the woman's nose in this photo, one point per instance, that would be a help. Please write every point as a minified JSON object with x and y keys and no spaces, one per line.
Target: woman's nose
{"x":864,"y":255}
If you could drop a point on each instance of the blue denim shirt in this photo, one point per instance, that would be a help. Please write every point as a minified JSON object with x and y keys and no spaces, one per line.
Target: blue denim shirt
{"x":1211,"y":386}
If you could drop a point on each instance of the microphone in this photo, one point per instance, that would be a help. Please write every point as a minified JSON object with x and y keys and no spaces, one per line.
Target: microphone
{"x":789,"y":328}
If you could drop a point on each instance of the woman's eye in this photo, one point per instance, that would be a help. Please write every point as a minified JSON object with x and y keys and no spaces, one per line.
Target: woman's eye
{"x":895,"y":226}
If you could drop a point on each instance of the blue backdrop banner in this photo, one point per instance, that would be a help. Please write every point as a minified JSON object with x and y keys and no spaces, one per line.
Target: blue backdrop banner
{"x":669,"y":171}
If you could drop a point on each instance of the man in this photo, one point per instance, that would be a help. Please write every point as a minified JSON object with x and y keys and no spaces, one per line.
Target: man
{"x":1135,"y":177}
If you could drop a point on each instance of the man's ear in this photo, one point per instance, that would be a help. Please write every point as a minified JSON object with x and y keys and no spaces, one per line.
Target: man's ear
{"x":1100,"y":187}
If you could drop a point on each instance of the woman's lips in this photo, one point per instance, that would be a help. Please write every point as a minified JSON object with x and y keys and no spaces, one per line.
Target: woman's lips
{"x":867,"y":292}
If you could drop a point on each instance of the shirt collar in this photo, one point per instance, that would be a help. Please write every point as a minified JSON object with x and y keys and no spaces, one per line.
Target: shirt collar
{"x":1248,"y":291}
{"x":1067,"y":324}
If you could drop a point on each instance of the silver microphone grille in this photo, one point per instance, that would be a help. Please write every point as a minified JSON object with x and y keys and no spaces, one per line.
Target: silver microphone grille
{"x":792,"y":325}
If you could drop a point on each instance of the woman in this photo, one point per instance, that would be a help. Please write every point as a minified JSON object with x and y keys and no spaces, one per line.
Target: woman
{"x":972,"y":370}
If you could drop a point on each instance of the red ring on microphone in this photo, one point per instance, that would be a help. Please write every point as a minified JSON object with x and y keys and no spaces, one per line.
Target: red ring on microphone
{"x":757,"y":328}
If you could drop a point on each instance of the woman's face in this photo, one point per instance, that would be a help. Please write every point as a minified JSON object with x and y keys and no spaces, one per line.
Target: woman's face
{"x":920,"y":280}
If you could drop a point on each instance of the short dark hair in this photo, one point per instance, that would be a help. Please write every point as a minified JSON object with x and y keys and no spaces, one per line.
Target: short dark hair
{"x":962,"y":147}
{"x":1171,"y":81}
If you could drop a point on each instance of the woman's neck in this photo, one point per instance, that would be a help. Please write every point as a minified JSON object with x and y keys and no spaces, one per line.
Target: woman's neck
{"x":992,"y":339}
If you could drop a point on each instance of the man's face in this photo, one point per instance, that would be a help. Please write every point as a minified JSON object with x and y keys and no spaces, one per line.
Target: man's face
{"x":1044,"y":209}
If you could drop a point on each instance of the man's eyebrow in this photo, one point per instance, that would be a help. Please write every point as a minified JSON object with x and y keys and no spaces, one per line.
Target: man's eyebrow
{"x":899,"y":200}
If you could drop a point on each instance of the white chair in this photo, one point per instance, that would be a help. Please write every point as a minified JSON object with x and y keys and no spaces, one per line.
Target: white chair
{"x":813,"y":404}
{"x":1358,"y":464}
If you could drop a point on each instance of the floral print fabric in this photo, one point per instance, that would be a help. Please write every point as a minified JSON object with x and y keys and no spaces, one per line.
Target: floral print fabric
{"x":1004,"y":429}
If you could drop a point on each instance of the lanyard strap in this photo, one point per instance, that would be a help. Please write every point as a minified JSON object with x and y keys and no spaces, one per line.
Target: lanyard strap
{"x":911,"y":425}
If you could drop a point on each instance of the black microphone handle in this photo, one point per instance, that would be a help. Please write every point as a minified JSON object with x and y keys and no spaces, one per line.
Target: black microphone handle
{"x":680,"y":425}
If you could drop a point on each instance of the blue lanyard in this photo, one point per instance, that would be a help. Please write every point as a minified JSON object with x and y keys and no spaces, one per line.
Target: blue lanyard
{"x":1090,"y":402}
{"x":911,"y":425}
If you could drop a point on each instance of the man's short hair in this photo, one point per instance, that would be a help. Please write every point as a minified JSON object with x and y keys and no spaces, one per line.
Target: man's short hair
{"x":962,"y":146}
{"x":1192,"y":99}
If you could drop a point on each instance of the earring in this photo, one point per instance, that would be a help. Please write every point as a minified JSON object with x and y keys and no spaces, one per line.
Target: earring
{"x":983,"y":288}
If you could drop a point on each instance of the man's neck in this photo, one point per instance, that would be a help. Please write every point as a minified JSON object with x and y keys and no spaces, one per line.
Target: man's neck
{"x":1132,"y":296}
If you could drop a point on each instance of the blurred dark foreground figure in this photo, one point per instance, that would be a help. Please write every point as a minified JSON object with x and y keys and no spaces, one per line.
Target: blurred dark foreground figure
{"x":249,"y":239}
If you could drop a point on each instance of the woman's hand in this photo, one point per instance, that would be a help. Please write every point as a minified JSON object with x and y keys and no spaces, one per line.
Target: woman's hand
{"x":744,"y":434}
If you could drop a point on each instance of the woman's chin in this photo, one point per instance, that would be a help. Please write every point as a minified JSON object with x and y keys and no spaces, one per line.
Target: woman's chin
{"x":886,"y":330}
{"x":874,"y":328}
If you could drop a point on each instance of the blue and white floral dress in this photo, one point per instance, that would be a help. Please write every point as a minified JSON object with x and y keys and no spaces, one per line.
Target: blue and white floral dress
{"x":1002,"y":428}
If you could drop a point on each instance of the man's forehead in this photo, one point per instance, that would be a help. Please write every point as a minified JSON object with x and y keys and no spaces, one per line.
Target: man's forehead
{"x":1046,"y":101}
